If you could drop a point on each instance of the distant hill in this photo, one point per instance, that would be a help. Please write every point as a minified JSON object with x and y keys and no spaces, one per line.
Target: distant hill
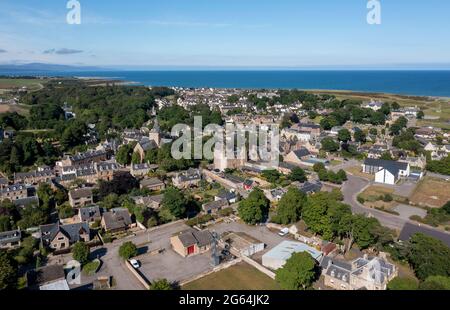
{"x":43,"y":67}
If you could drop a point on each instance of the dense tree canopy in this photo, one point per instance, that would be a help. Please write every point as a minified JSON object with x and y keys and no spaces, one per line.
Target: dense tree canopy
{"x":290,"y":206}
{"x":255,"y":208}
{"x":298,"y":273}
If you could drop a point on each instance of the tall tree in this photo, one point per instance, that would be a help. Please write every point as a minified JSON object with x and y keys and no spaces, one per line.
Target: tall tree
{"x":255,"y":208}
{"x":290,"y":206}
{"x":298,"y":273}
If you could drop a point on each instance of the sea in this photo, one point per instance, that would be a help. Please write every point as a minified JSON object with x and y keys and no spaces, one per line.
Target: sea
{"x":413,"y":83}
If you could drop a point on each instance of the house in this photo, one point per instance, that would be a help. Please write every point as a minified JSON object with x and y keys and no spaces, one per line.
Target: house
{"x":61,"y":237}
{"x":416,"y":162}
{"x":48,"y":278}
{"x":3,"y":182}
{"x":242,"y":243}
{"x":81,"y":197}
{"x":14,"y":192}
{"x":310,"y":187}
{"x":192,"y":242}
{"x":230,"y":196}
{"x":34,"y":177}
{"x":138,"y":170}
{"x":386,"y":171}
{"x":425,"y":132}
{"x":10,"y":239}
{"x":214,"y":206}
{"x":85,"y":158}
{"x":116,"y":220}
{"x":335,"y":130}
{"x":89,"y":214}
{"x":298,"y":156}
{"x":187,"y":179}
{"x":144,"y":145}
{"x":277,"y":257}
{"x":373,"y":105}
{"x":362,"y":273}
{"x":248,"y":185}
{"x":153,"y":184}
{"x":275,"y":194}
{"x":152,"y":202}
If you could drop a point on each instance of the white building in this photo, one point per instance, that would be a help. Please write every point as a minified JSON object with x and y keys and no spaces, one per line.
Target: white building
{"x":277,"y":257}
{"x":386,"y":171}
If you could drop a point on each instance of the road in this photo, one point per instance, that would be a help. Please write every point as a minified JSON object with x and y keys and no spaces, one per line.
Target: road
{"x":355,"y":185}
{"x":352,"y":188}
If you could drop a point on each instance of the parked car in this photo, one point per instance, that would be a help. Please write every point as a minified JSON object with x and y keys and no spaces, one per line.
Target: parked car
{"x":283,"y":232}
{"x":135,"y":263}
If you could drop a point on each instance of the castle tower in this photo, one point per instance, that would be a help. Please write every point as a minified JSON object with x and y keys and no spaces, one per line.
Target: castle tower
{"x":155,"y":133}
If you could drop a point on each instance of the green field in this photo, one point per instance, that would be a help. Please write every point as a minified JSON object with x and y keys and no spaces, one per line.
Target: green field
{"x":238,"y":277}
{"x":31,"y":84}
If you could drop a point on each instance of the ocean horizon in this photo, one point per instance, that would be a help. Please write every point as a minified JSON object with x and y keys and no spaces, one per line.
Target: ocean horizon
{"x":434,"y":83}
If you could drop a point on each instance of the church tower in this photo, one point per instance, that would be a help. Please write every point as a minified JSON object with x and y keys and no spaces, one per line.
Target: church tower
{"x":155,"y":133}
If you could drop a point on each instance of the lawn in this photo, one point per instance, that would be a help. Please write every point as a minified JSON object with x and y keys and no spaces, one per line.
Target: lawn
{"x":32,"y":84}
{"x":431,"y":192}
{"x":238,"y":277}
{"x":22,"y":110}
{"x":357,"y":171}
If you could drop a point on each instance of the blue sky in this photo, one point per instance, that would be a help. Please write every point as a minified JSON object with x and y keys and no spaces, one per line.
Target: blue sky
{"x":227,"y":33}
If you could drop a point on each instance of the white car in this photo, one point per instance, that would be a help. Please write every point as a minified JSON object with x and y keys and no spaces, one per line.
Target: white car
{"x":283,"y":232}
{"x":135,"y":263}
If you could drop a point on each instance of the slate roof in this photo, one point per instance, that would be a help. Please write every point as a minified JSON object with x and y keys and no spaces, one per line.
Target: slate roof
{"x":200,"y":238}
{"x":45,"y":275}
{"x":71,"y":231}
{"x":89,"y":212}
{"x":80,"y":193}
{"x":215,"y":205}
{"x":10,"y":236}
{"x":151,"y":182}
{"x":308,"y":187}
{"x":302,"y":152}
{"x":117,"y":219}
{"x":392,"y":166}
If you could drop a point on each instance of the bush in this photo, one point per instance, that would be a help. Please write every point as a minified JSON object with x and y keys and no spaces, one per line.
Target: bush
{"x":226,"y":212}
{"x":199,"y":220}
{"x":388,"y":198}
{"x":80,"y":252}
{"x":128,"y":250}
{"x":361,"y":200}
{"x":152,"y":222}
{"x":91,"y":267}
{"x":403,"y":284}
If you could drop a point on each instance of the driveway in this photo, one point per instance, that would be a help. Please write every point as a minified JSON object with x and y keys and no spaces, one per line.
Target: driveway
{"x":407,"y":211}
{"x":352,"y":188}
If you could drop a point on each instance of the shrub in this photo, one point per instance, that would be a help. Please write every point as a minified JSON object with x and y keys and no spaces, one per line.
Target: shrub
{"x":128,"y":250}
{"x":226,"y":212}
{"x":388,"y":198}
{"x":361,"y":200}
{"x":199,"y":220}
{"x":80,"y":252}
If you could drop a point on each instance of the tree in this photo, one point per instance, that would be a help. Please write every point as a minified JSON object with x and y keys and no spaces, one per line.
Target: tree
{"x":395,"y":106}
{"x":174,"y":202}
{"x":373,"y":131}
{"x":298,"y":273}
{"x":438,"y":283}
{"x":318,"y":166}
{"x":161,"y":285}
{"x":255,"y":208}
{"x":360,"y":136}
{"x":298,"y":174}
{"x":122,"y":183}
{"x":403,"y":284}
{"x":128,"y":250}
{"x":271,"y":175}
{"x":362,"y":230}
{"x":329,"y":145}
{"x":123,"y":155}
{"x":315,"y":214}
{"x":446,"y":208}
{"x":429,"y":256}
{"x":344,"y":135}
{"x":80,"y":252}
{"x":290,"y":206}
{"x":342,"y":175}
{"x":420,"y":115}
{"x":8,"y":271}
